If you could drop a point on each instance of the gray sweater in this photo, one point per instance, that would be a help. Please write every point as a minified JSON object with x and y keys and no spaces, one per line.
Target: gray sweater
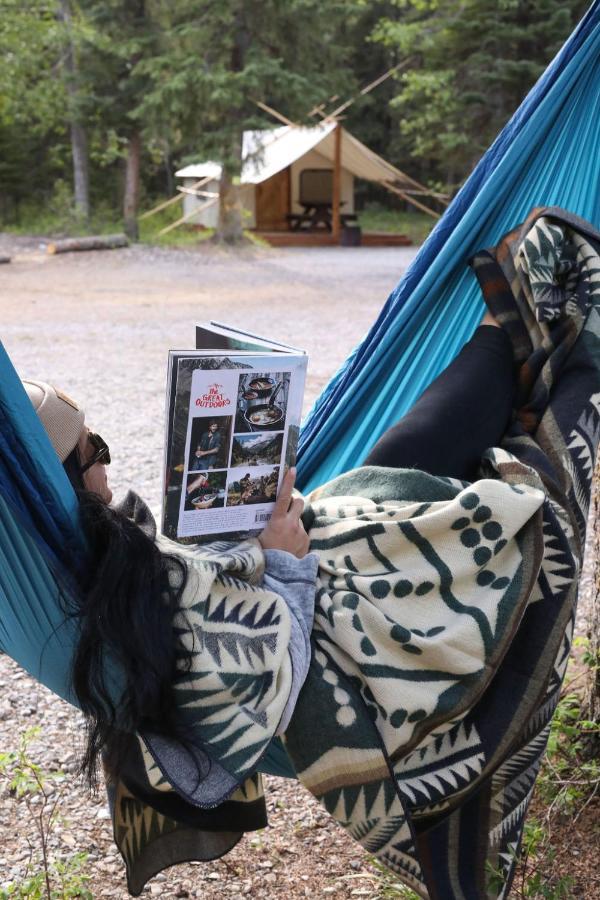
{"x":294,"y":580}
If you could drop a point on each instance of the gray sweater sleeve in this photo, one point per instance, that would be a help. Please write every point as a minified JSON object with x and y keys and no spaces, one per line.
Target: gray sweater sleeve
{"x":294,"y":580}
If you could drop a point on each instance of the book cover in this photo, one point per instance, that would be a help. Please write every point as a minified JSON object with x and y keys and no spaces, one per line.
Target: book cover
{"x":232,"y":431}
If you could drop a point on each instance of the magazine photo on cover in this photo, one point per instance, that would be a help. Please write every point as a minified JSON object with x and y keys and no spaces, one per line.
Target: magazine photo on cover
{"x":252,"y":486}
{"x":209,"y":443}
{"x":205,"y":490}
{"x":262,"y":401}
{"x":258,"y":449}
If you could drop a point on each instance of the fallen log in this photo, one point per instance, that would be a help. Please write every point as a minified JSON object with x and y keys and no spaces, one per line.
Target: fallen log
{"x":4,"y":259}
{"x":96,"y":242}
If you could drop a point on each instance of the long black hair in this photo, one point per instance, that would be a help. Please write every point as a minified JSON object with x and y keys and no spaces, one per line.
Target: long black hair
{"x":128,"y":596}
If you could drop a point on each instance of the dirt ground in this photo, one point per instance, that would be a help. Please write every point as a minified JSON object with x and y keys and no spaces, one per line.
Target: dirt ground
{"x":100,"y":325}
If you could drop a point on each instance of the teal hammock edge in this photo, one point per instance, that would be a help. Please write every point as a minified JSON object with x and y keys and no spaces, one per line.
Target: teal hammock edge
{"x":35,"y":627}
{"x":547,"y":155}
{"x":32,"y":475}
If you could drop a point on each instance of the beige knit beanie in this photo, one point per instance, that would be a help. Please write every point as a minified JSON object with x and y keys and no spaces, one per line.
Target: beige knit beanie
{"x":61,"y":417}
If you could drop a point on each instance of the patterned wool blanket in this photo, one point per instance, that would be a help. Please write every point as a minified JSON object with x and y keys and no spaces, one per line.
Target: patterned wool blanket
{"x":192,"y":795}
{"x":443,"y":619}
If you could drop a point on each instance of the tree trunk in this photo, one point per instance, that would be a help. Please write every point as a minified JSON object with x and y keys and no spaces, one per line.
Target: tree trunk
{"x":230,"y":229}
{"x":97,"y":242}
{"x":131,"y":195}
{"x":591,"y":703}
{"x":79,"y":143}
{"x":81,"y":180}
{"x":169,"y":177}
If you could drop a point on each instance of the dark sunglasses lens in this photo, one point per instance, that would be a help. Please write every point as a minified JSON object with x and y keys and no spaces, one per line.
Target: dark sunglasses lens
{"x":103,"y":453}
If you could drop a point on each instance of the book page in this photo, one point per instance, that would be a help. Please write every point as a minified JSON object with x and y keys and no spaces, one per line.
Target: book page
{"x":235,"y":426}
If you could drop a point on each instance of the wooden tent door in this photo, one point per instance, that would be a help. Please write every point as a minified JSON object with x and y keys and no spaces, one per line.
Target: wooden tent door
{"x":273,"y":202}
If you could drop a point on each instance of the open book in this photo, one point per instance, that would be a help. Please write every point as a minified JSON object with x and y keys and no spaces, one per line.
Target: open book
{"x":232,"y":423}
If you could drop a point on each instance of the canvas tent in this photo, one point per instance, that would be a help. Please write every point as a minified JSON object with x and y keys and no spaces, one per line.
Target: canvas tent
{"x":284,"y":167}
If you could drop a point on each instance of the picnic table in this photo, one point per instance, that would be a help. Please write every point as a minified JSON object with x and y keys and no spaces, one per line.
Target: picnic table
{"x":316,"y":217}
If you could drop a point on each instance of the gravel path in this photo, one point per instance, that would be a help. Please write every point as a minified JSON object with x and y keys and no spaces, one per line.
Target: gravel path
{"x":100,"y":325}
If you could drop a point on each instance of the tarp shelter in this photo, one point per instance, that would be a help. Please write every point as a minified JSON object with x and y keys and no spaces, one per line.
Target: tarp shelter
{"x":282,"y":168}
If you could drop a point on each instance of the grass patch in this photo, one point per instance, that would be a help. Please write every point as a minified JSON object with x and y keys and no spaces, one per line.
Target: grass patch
{"x":185,"y":235}
{"x":179,"y":237}
{"x":568,"y":784}
{"x":52,"y":224}
{"x":414,"y":225}
{"x":389,"y":887}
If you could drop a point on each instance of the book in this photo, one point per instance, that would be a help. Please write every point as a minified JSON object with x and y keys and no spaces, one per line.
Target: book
{"x":233,"y":413}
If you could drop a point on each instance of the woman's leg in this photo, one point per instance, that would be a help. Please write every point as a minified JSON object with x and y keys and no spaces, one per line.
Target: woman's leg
{"x":462,"y":413}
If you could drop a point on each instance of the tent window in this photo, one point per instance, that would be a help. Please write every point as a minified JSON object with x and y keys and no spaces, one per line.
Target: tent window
{"x":316,"y":187}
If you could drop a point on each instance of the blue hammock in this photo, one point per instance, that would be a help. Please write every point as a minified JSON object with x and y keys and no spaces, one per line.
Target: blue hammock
{"x":548,"y":154}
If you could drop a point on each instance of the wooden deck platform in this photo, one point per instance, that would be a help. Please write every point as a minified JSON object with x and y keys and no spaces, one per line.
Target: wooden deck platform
{"x":325,"y":239}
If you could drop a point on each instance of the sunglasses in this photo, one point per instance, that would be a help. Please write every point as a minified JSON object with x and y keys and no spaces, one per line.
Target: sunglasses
{"x":102,"y":454}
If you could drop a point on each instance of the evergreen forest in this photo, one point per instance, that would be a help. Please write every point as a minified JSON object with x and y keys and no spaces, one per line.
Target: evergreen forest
{"x":102,"y":100}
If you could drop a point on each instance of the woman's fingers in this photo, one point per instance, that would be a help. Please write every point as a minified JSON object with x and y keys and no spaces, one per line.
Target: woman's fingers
{"x":296,"y":508}
{"x":285,"y":530}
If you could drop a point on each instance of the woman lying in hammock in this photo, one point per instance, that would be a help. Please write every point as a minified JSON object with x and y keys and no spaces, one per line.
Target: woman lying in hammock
{"x":442,"y":578}
{"x":135,"y":586}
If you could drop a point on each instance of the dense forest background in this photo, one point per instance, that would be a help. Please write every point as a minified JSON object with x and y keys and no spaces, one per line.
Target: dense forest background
{"x":102,"y":100}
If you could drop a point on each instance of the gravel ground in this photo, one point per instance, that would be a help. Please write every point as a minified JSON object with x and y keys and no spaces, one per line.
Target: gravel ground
{"x":100,"y":325}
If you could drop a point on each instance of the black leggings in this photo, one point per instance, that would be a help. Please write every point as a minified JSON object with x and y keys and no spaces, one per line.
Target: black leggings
{"x":462,"y":413}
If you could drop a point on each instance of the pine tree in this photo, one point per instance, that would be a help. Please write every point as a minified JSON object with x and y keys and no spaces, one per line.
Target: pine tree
{"x":473,"y":63}
{"x":32,"y":103}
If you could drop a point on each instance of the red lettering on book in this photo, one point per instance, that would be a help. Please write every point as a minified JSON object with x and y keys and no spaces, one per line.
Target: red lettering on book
{"x":213,"y":399}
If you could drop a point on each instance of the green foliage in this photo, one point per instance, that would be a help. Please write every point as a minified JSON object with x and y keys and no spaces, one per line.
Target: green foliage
{"x":388,"y":886}
{"x":52,"y":879}
{"x":68,"y":880}
{"x":30,"y":94}
{"x":57,"y":216}
{"x":215,"y":60}
{"x":184,"y":78}
{"x":568,"y":780}
{"x":471,"y":65}
{"x":537,"y":856}
{"x":414,"y":225}
{"x":567,"y":784}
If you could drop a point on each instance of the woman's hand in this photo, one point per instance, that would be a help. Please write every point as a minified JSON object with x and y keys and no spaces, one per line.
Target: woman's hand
{"x":285,"y":530}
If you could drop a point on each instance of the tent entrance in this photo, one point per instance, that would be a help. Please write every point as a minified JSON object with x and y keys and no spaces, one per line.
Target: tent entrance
{"x":273,"y":202}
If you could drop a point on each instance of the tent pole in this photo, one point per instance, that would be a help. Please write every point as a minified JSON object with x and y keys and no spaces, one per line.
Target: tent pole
{"x":188,"y":216}
{"x":174,"y":199}
{"x":337,"y":184}
{"x":410,"y":199}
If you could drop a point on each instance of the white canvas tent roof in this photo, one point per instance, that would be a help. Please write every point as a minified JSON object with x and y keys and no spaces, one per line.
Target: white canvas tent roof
{"x":269,"y":151}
